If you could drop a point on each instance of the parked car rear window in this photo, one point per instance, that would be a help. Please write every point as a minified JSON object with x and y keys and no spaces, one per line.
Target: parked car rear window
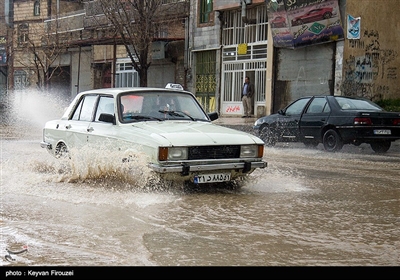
{"x":356,"y":104}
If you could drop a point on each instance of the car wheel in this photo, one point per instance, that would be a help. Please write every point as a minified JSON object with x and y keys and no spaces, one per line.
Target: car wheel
{"x":327,"y":15}
{"x":310,"y":143}
{"x":332,"y":141}
{"x":61,"y":150}
{"x":381,"y":147}
{"x":267,"y":135}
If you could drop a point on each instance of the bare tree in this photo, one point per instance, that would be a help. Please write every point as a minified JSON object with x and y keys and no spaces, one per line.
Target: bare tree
{"x":136,"y":23}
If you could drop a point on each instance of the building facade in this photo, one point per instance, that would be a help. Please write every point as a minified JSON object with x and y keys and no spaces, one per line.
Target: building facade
{"x":209,"y":46}
{"x":228,"y":41}
{"x":70,"y":46}
{"x":233,"y":39}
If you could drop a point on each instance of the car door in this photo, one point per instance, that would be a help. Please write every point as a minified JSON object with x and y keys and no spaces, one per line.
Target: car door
{"x":314,"y":119}
{"x":76,"y":128}
{"x":101,"y":133}
{"x":287,"y":125}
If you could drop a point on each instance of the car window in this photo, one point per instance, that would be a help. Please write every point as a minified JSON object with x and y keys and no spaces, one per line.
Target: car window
{"x":318,"y":106}
{"x":356,"y":104}
{"x":132,"y":103}
{"x":105,"y":105}
{"x":84,"y":110}
{"x":77,"y":111}
{"x":160,"y":105}
{"x":297,"y":107}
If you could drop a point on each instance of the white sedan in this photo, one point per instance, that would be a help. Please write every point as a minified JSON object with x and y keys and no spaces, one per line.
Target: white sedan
{"x":168,"y":125}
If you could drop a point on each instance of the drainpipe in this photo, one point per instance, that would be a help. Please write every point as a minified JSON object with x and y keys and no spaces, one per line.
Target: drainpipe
{"x":244,"y":4}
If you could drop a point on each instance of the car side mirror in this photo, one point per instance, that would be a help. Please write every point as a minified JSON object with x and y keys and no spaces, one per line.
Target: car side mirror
{"x":109,"y":118}
{"x":213,"y":116}
{"x":281,"y":112}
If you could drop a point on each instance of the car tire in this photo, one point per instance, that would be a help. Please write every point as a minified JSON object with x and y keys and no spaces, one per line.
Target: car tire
{"x":267,"y":135}
{"x":381,"y":146}
{"x":61,"y":150}
{"x":332,"y":141}
{"x":327,"y":15}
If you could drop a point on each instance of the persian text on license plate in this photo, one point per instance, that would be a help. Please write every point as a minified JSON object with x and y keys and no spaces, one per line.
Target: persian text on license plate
{"x":212,"y":178}
{"x":382,"y":132}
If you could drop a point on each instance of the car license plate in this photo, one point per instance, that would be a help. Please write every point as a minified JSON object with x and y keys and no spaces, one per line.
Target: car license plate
{"x":212,"y":178}
{"x":382,"y":132}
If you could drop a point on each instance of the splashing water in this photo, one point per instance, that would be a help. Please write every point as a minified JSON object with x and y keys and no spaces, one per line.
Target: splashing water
{"x":26,"y":112}
{"x":24,"y":118}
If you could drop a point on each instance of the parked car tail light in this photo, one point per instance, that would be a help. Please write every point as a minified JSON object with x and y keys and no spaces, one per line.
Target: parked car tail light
{"x":175,"y":153}
{"x":251,"y":151}
{"x":396,"y":122}
{"x":362,"y":121}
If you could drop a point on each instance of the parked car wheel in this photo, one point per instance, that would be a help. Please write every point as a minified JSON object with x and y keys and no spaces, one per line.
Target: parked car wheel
{"x":267,"y":136}
{"x":332,"y":141}
{"x":381,"y":147}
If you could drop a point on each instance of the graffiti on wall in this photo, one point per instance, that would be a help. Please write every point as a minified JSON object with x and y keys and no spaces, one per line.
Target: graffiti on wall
{"x":365,"y":75}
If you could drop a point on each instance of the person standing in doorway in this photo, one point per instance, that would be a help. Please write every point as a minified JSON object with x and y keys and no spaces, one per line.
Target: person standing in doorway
{"x":247,"y":94}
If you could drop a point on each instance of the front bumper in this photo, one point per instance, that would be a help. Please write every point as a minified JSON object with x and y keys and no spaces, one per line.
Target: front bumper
{"x":185,"y":168}
{"x":46,"y":145}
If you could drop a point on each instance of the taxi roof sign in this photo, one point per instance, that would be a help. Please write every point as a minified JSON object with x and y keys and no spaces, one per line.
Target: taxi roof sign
{"x":174,"y":86}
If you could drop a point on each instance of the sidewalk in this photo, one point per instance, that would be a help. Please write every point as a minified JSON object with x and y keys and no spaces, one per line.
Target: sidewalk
{"x":237,"y":122}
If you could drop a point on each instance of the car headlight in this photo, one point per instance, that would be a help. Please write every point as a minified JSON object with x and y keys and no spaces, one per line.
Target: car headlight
{"x":251,"y":151}
{"x":258,"y":122}
{"x":172,"y":153}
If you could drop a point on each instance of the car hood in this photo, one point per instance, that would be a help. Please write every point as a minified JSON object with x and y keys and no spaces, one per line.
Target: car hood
{"x":183,"y":133}
{"x":266,"y":119}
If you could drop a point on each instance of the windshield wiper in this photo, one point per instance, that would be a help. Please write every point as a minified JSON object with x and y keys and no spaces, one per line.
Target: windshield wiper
{"x":176,"y":114}
{"x":140,"y":117}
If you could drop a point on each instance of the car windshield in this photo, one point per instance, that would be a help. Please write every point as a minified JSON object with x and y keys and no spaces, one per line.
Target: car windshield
{"x":159,"y":106}
{"x":357,"y":104}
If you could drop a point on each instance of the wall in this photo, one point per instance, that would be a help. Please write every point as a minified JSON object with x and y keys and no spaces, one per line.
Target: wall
{"x":203,"y":37}
{"x":85,"y":73}
{"x":301,"y":72}
{"x":371,"y":64}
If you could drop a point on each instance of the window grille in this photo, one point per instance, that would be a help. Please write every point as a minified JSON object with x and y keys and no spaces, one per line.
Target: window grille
{"x":126,"y":75}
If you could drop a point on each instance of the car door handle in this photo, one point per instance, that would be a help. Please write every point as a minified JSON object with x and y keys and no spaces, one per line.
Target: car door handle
{"x":68,"y":126}
{"x":90,"y":129}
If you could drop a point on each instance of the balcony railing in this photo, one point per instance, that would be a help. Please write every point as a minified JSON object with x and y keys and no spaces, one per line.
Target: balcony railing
{"x":70,"y":22}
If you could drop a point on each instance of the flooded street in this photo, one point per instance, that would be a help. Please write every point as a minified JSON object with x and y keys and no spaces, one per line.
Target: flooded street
{"x":307,"y":208}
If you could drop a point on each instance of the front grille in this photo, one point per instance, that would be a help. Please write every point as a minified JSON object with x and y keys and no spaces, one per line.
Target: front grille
{"x":214,"y":152}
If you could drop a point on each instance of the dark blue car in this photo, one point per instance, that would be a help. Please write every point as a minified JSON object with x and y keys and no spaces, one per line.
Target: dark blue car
{"x":332,"y":121}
